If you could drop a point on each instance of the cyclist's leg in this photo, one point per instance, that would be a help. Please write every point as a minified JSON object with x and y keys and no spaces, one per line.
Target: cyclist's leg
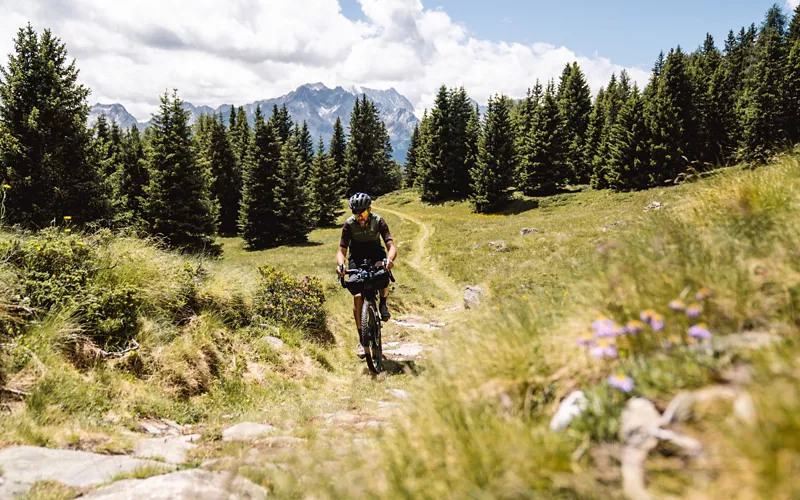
{"x":358,"y":300}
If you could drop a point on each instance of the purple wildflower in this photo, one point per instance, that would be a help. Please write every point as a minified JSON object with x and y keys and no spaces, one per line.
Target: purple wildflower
{"x":586,"y":340}
{"x":703,"y":293}
{"x":677,"y":305}
{"x":646,"y":315}
{"x":699,"y":331}
{"x":603,"y":349}
{"x":621,"y":382}
{"x":633,"y":327}
{"x":694,"y":310}
{"x":657,"y":322}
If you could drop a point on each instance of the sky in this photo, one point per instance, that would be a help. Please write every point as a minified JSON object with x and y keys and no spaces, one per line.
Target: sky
{"x":239,"y":51}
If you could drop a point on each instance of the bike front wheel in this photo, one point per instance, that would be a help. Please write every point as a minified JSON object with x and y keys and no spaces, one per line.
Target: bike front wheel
{"x":371,"y":337}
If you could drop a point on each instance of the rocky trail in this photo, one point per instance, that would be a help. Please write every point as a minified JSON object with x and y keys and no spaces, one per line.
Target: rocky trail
{"x":169,"y":460}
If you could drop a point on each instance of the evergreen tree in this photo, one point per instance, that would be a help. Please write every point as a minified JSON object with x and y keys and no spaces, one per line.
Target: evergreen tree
{"x":493,"y":172}
{"x":615,"y":96}
{"x":239,"y":137}
{"x":793,"y":33}
{"x":369,"y":152}
{"x":179,"y":206}
{"x":629,"y":155}
{"x":296,"y":222}
{"x":226,"y":187}
{"x":460,"y":160}
{"x":324,"y":190}
{"x":433,"y":163}
{"x":792,"y":92}
{"x":541,"y":168}
{"x":44,"y":151}
{"x":672,"y":120}
{"x":281,"y":122}
{"x":133,"y":180}
{"x":306,"y":146}
{"x":575,"y":102}
{"x":763,"y":103}
{"x":410,"y":177}
{"x":260,"y":207}
{"x":336,"y":150}
{"x":594,"y":133}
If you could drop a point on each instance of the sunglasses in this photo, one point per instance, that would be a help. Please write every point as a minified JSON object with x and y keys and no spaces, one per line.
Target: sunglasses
{"x":362,"y":214}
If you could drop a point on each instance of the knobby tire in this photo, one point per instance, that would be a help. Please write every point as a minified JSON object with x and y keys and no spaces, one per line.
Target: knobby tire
{"x":370,"y":338}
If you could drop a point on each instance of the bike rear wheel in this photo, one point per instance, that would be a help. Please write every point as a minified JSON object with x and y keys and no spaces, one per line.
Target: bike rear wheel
{"x":371,"y":337}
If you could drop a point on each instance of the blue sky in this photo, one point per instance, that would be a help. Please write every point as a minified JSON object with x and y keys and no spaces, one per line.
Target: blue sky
{"x":629,"y":32}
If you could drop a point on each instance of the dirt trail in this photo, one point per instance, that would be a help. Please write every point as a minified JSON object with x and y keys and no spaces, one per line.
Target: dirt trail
{"x":421,"y":255}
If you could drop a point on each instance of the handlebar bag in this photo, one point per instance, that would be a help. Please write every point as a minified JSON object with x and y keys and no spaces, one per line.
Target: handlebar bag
{"x":360,"y":282}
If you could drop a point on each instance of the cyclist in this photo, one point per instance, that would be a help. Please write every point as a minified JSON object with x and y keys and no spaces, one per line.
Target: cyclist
{"x":361,"y":235}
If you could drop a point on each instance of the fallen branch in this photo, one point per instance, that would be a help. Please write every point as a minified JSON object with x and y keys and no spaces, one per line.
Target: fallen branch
{"x":15,"y":392}
{"x":119,"y":354}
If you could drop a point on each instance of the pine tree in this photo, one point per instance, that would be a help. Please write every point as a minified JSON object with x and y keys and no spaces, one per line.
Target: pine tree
{"x":324,"y":191}
{"x":493,"y":172}
{"x":410,"y":177}
{"x":133,"y":180}
{"x":260,"y":206}
{"x":368,"y":157}
{"x":44,"y":151}
{"x":433,"y":163}
{"x":458,"y":155}
{"x":281,"y":122}
{"x":672,"y":121}
{"x":629,"y":155}
{"x":594,"y":133}
{"x":541,"y":168}
{"x":226,"y":186}
{"x":239,"y":135}
{"x":616,"y":93}
{"x":306,"y":146}
{"x":792,"y":93}
{"x":337,"y":150}
{"x":179,"y":206}
{"x":763,"y":102}
{"x":296,"y":222}
{"x":575,"y":102}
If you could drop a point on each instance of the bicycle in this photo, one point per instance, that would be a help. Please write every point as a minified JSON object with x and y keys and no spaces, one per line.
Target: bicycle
{"x":372,"y":277}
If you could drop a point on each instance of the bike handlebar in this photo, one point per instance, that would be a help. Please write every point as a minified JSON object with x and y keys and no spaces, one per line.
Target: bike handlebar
{"x":348,"y":272}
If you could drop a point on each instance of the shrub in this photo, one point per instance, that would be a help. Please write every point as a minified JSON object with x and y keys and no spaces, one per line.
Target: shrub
{"x":291,"y":302}
{"x":111,"y":316}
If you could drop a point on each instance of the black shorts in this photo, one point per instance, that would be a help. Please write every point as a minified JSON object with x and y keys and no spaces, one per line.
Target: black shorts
{"x":372,"y":253}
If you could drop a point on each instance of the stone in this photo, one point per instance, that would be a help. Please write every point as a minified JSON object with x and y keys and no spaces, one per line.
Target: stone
{"x":194,"y":484}
{"x":498,"y":246}
{"x":172,"y":450}
{"x":247,"y":431}
{"x":274,"y":342}
{"x":175,"y":425}
{"x":616,"y":223}
{"x":344,"y":417}
{"x":399,"y":393}
{"x":281,"y":441}
{"x":744,"y":341}
{"x":472,"y":296}
{"x":656,"y":205}
{"x":640,"y":419}
{"x":571,"y":407}
{"x":406,"y":351}
{"x":745,"y":410}
{"x":418,"y":326}
{"x":527,"y":230}
{"x":153,"y":427}
{"x":23,"y":466}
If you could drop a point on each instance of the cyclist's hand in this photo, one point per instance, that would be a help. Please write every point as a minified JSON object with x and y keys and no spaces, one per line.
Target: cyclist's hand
{"x":389,"y":264}
{"x":340,"y":269}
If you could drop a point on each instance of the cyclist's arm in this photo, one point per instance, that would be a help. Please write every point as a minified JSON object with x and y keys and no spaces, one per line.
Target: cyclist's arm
{"x":391,"y":248}
{"x":341,"y":253}
{"x":341,"y":256}
{"x":392,"y":252}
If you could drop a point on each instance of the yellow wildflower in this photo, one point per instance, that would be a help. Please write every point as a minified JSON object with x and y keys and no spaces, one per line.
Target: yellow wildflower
{"x":67,"y":217}
{"x":524,"y":297}
{"x":38,"y":248}
{"x":6,"y":186}
{"x":67,"y":230}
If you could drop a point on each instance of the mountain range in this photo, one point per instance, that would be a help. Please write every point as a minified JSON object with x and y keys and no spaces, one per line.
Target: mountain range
{"x":314,"y":103}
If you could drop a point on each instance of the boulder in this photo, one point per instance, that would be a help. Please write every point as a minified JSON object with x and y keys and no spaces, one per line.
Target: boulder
{"x":527,"y":230}
{"x":571,"y":407}
{"x":194,"y":484}
{"x":472,"y":296}
{"x":247,"y":431}
{"x":172,"y":450}
{"x":23,"y":466}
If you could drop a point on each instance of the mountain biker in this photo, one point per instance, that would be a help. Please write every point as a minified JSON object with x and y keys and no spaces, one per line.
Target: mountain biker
{"x":361,"y":235}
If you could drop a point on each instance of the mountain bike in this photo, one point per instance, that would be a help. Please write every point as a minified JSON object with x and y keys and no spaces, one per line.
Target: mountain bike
{"x":370,"y":279}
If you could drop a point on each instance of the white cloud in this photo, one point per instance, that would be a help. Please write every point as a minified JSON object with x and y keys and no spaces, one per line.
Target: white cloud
{"x":792,"y":4}
{"x":238,"y":51}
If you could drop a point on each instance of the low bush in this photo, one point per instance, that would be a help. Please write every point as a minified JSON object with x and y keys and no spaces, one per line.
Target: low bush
{"x":287,"y":301}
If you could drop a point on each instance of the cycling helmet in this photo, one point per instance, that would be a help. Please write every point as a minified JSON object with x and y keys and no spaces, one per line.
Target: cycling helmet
{"x":360,"y":202}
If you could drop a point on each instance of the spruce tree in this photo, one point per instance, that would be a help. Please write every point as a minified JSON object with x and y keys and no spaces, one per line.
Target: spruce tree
{"x":261,"y":206}
{"x":281,"y":122}
{"x":368,"y":157}
{"x":296,"y":222}
{"x":493,"y":172}
{"x":306,"y":146}
{"x":239,"y":135}
{"x":629,"y":154}
{"x":44,"y":151}
{"x":432,"y":174}
{"x":410,"y":177}
{"x":219,"y":156}
{"x":575,"y":102}
{"x":337,"y":150}
{"x":179,"y":206}
{"x":672,"y":121}
{"x":133,"y":180}
{"x":763,"y":102}
{"x":324,"y":190}
{"x":458,"y":154}
{"x":594,"y":132}
{"x":792,"y":93}
{"x":616,"y":93}
{"x":541,"y":169}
